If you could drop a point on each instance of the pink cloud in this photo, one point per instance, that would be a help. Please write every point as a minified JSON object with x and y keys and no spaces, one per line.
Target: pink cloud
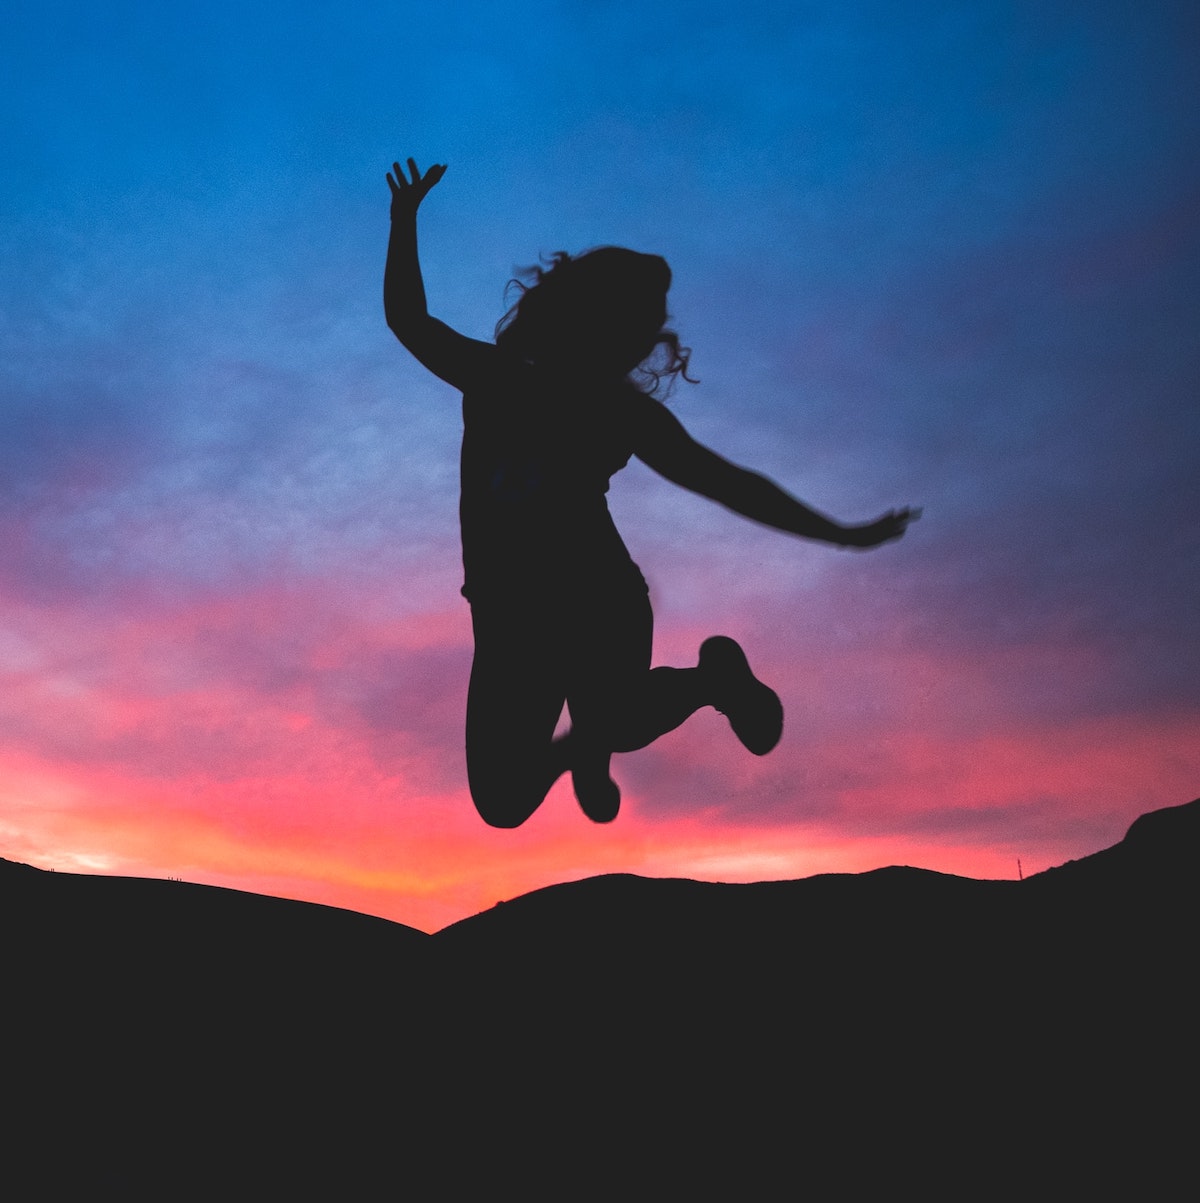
{"x":308,"y":744}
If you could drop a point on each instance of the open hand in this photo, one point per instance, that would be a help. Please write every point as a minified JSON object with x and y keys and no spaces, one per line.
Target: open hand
{"x":407,"y":194}
{"x":890,"y":526}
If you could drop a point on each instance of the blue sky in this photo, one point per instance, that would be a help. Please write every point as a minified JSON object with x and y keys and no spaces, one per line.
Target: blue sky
{"x":925,"y":253}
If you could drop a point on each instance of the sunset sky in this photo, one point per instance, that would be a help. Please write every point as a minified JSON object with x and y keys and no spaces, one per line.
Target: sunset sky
{"x":938,"y":253}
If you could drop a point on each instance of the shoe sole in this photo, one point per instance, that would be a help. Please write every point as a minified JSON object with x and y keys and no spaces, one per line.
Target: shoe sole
{"x":601,"y":804}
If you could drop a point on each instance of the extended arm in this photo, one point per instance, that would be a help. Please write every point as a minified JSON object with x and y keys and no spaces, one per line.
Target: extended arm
{"x":455,"y":358}
{"x":667,"y":447}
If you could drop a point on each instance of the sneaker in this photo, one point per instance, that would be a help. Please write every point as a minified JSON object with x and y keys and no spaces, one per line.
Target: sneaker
{"x":598,"y":795}
{"x":754,"y":711}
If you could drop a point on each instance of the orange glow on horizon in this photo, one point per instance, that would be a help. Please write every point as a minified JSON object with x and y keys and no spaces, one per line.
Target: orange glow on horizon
{"x":427,"y":861}
{"x":309,"y":745}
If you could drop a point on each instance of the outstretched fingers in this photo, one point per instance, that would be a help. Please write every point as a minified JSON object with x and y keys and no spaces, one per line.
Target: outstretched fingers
{"x":901,"y":517}
{"x":398,"y":181}
{"x":895,"y":522}
{"x":884,"y":529}
{"x":411,"y":187}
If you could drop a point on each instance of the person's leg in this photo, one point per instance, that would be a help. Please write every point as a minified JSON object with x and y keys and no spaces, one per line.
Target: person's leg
{"x":619,"y":704}
{"x":659,"y":702}
{"x":608,"y":645}
{"x":667,"y":697}
{"x":514,"y":701}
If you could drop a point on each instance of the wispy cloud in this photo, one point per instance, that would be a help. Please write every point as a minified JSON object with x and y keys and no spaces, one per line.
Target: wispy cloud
{"x":925,"y":254}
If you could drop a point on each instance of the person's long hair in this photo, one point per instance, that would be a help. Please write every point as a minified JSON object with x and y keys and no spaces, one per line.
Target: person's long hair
{"x":605,"y":301}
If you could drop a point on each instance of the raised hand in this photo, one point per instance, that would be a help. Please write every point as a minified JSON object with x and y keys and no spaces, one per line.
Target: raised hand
{"x":407,"y":194}
{"x":890,"y":526}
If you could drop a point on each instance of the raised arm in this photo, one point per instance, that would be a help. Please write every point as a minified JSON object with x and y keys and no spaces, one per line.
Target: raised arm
{"x":455,"y":358}
{"x":665,"y":446}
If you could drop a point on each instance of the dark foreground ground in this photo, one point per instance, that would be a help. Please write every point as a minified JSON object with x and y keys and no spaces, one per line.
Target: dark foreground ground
{"x":844,"y":1036}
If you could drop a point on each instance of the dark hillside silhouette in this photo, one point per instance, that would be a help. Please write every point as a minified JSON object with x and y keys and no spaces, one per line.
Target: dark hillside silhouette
{"x":162,"y":1031}
{"x":860,"y":1031}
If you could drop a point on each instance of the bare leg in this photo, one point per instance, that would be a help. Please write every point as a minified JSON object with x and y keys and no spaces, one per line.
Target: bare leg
{"x":530,"y":658}
{"x":667,"y":699}
{"x":513,"y":705}
{"x":632,"y":714}
{"x":610,"y":639}
{"x":618,"y":703}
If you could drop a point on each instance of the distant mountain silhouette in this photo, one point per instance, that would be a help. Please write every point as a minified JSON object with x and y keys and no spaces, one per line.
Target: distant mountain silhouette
{"x":899,"y":1028}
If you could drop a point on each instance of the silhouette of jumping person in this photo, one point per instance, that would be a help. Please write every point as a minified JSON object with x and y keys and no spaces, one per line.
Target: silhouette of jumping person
{"x":561,"y":615}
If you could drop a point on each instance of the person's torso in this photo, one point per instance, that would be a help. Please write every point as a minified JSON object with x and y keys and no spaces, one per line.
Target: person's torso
{"x":537,"y":457}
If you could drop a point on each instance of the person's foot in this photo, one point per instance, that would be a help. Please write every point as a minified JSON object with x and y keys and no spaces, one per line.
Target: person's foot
{"x":598,"y":795}
{"x":753,"y":709}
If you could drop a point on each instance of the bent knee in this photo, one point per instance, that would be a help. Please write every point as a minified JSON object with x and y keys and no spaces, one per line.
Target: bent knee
{"x":499,"y":806}
{"x":497,"y":816}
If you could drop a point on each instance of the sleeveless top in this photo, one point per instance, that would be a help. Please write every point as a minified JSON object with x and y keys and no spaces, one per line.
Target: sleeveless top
{"x":537,"y":456}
